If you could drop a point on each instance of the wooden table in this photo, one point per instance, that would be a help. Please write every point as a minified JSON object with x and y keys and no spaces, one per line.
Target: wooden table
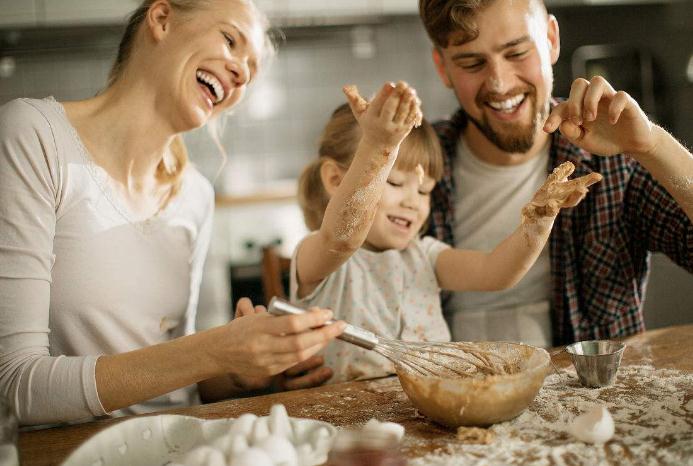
{"x":350,"y":404}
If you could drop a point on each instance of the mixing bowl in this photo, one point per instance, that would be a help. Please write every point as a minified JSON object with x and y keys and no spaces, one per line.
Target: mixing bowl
{"x":480,"y":400}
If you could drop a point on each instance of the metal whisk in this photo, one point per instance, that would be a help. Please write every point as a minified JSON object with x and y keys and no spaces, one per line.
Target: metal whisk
{"x":433,"y":359}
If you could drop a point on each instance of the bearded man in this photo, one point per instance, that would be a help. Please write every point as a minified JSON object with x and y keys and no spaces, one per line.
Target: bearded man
{"x":589,"y":283}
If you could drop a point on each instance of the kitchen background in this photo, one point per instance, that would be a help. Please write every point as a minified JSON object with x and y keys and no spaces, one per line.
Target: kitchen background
{"x":65,"y":48}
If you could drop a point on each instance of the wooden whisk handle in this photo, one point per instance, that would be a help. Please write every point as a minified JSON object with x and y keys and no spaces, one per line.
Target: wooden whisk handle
{"x":352,"y":334}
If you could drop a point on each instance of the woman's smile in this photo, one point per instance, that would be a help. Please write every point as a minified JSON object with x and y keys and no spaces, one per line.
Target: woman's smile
{"x":211,"y":87}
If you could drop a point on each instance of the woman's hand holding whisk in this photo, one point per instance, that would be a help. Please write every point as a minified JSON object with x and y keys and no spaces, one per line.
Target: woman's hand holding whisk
{"x":275,"y":344}
{"x":264,"y":365}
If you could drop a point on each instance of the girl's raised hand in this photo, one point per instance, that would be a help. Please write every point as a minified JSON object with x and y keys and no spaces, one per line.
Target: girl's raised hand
{"x":558,"y":192}
{"x":389,"y":117}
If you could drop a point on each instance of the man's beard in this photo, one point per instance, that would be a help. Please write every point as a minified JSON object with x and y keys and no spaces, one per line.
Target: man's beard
{"x":517,"y":138}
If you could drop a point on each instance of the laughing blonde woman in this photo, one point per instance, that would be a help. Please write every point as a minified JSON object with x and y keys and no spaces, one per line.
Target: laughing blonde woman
{"x":104,"y":228}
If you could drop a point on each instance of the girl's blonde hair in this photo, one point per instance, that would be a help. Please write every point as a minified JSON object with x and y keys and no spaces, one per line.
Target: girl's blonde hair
{"x":339,"y":141}
{"x":170,"y":169}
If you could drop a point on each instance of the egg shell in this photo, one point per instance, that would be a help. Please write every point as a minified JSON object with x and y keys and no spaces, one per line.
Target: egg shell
{"x":204,"y":456}
{"x":251,"y":457}
{"x":280,"y":450}
{"x":594,"y":426}
{"x":389,"y":428}
{"x":397,"y":430}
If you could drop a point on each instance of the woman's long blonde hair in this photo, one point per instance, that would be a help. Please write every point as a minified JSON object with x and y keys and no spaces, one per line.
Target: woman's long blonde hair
{"x":339,"y":141}
{"x":170,"y":170}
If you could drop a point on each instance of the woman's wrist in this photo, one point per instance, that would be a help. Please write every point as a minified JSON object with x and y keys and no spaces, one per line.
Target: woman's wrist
{"x":205,"y":345}
{"x":128,"y":378}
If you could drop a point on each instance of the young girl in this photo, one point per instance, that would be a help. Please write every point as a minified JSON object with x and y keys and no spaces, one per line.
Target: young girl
{"x":366,"y":200}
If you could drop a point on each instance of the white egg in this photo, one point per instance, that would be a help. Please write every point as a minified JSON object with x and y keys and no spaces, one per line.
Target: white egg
{"x":594,"y":426}
{"x":243,"y":425}
{"x":305,"y":455}
{"x":251,"y":457}
{"x":260,"y":431}
{"x":301,"y":430}
{"x":320,"y":439}
{"x":222,"y":442}
{"x":230,"y":444}
{"x":279,"y":422}
{"x":280,"y":450}
{"x":238,"y":444}
{"x":204,"y":456}
{"x":319,"y":433}
{"x":389,"y":428}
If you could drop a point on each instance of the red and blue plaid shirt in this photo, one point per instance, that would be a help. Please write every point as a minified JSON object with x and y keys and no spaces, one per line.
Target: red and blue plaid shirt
{"x":600,"y":249}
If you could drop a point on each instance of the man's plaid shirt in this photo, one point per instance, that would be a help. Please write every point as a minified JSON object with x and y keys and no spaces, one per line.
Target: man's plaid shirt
{"x":600,"y":250}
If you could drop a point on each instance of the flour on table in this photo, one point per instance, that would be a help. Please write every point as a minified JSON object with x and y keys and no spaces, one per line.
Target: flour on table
{"x":652,"y":410}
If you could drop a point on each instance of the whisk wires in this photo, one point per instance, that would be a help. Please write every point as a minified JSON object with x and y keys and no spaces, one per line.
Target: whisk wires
{"x":443,"y":359}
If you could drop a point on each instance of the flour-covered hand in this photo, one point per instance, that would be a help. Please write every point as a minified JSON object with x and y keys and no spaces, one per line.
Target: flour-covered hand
{"x":558,"y":192}
{"x":389,"y":117}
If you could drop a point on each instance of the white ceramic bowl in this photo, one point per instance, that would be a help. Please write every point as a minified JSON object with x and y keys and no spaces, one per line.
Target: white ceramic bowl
{"x":157,"y":440}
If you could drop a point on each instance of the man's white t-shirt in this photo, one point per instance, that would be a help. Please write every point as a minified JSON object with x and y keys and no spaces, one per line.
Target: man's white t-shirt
{"x":488,"y":205}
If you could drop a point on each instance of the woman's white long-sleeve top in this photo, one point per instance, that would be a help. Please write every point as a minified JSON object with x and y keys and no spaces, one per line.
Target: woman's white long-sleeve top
{"x":79,"y":275}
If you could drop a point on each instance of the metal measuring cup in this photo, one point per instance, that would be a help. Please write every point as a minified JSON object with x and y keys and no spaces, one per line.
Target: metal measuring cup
{"x":597,"y":361}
